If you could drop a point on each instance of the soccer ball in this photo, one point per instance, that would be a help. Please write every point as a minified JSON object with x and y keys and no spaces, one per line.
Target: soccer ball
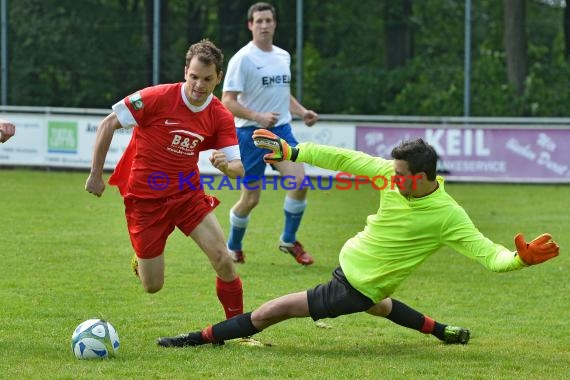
{"x":94,"y":339}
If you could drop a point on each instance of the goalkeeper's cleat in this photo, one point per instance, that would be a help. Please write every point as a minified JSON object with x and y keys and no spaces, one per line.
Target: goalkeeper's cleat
{"x":237,"y":256}
{"x":135,"y":265}
{"x":183,"y":340}
{"x":250,"y":342}
{"x":296,"y":250}
{"x":456,"y":335}
{"x":323,"y":325}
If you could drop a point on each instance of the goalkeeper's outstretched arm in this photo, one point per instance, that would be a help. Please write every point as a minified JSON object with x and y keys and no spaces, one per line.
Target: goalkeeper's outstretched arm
{"x":323,"y":156}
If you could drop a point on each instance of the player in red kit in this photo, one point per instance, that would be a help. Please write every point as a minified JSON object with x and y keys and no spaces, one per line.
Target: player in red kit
{"x":158,"y":174}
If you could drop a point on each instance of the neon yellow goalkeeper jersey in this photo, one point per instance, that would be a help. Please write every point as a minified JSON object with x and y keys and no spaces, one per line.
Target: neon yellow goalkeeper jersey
{"x":403,"y":232}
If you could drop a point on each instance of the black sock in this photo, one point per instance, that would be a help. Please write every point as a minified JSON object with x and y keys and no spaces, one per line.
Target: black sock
{"x":404,"y":315}
{"x":236,"y":327}
{"x":439,"y":331}
{"x":195,"y":338}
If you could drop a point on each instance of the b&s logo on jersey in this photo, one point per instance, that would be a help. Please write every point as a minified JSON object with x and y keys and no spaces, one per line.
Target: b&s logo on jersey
{"x":184,"y":142}
{"x":62,"y":137}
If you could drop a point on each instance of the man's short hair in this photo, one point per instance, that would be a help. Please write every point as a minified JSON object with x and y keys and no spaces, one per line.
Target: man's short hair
{"x":420,"y":156}
{"x":260,"y":7}
{"x":206,"y":52}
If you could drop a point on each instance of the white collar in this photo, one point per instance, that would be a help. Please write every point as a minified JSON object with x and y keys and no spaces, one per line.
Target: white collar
{"x":192,"y":107}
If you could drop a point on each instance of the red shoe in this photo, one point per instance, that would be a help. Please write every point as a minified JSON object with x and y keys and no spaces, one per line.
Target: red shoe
{"x":296,"y":250}
{"x":237,"y":256}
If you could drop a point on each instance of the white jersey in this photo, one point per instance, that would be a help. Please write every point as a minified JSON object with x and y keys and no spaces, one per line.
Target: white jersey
{"x":263,"y":80}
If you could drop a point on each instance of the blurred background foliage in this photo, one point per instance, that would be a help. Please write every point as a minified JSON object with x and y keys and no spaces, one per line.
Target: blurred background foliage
{"x":369,"y":57}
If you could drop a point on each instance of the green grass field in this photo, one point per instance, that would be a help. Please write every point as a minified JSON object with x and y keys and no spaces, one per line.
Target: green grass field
{"x":65,"y":258}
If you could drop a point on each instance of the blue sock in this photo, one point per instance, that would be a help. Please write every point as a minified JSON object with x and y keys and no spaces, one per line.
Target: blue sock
{"x":293,"y":214}
{"x":238,"y":225}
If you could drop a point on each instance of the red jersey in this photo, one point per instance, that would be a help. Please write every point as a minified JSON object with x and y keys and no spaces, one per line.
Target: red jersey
{"x":162,"y":157}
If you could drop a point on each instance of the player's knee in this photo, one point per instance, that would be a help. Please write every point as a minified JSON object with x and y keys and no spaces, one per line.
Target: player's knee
{"x":252,"y":203}
{"x":382,"y":308}
{"x":222,"y":263}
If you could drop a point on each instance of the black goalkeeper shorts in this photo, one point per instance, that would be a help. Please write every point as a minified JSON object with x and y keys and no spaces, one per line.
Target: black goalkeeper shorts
{"x":336,"y":297}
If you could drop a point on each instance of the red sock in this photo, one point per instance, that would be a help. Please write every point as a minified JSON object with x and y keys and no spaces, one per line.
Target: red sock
{"x":207,"y":335}
{"x":428,"y":325}
{"x":230,"y":295}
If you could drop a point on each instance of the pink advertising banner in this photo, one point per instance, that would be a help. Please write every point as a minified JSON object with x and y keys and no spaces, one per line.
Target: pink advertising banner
{"x":486,"y":154}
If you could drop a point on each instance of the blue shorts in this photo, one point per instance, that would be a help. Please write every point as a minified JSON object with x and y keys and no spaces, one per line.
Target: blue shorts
{"x":252,"y":156}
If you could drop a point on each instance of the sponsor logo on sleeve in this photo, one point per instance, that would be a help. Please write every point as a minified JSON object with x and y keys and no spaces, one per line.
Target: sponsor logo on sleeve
{"x":136,"y":101}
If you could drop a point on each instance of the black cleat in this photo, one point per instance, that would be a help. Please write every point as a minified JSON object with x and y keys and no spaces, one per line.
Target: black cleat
{"x":183,"y":340}
{"x":456,"y":335}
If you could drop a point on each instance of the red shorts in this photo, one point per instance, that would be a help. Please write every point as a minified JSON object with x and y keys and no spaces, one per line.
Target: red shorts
{"x":150,"y":221}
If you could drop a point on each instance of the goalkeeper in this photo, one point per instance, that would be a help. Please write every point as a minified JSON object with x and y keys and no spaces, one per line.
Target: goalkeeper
{"x":413,"y":221}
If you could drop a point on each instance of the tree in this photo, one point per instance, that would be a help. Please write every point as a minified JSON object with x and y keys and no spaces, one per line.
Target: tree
{"x":567,"y":31}
{"x":233,"y":32}
{"x":398,"y":34}
{"x":366,"y":57}
{"x":516,"y":43}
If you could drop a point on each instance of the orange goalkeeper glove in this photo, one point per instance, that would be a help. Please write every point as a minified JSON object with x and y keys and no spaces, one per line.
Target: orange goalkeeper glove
{"x":537,"y":251}
{"x":281,"y":150}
